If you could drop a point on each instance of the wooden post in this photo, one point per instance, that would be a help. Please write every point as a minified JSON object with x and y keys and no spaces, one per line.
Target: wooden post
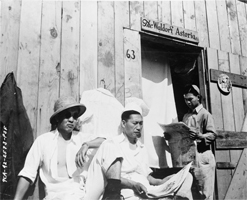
{"x":132,"y":63}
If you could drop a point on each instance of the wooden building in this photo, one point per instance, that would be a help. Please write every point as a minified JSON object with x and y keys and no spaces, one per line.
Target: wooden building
{"x":58,"y":48}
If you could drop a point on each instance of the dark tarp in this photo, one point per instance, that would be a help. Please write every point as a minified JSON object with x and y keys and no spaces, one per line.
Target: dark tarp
{"x":16,"y":135}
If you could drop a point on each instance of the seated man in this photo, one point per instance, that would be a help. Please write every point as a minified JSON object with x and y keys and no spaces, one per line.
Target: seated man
{"x":127,"y":150}
{"x":59,"y":154}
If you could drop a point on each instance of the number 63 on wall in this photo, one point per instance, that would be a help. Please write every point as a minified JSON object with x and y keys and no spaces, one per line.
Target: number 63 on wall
{"x":130,"y":54}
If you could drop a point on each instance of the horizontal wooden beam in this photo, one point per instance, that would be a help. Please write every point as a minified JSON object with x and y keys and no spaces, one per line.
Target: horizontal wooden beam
{"x":231,"y":140}
{"x":225,"y":165}
{"x":231,"y":135}
{"x":236,"y":79}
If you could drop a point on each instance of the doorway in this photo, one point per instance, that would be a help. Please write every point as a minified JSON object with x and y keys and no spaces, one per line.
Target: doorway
{"x":167,"y":66}
{"x":185,"y":62}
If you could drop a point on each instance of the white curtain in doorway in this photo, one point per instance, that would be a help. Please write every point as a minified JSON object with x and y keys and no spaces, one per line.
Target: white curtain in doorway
{"x":158,"y":94}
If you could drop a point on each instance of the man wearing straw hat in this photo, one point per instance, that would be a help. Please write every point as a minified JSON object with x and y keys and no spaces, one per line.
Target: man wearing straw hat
{"x":60,"y":155}
{"x":128,"y":153}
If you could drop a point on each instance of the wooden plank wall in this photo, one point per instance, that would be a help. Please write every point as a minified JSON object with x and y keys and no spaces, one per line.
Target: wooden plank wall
{"x":28,"y":67}
{"x":60,"y":48}
{"x":0,"y":28}
{"x":50,"y":60}
{"x":10,"y":26}
{"x":88,"y":46}
{"x":121,"y":20}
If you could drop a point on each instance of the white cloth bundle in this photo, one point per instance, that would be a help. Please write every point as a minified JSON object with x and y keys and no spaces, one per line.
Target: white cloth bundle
{"x":103,"y":115}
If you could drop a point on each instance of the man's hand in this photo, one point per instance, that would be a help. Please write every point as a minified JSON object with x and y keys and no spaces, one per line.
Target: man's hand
{"x":167,"y":136}
{"x":139,"y":189}
{"x":195,"y":133}
{"x":80,"y":158}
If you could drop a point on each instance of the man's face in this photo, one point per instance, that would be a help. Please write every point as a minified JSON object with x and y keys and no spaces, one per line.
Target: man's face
{"x":133,"y":127}
{"x":191,"y":100}
{"x":68,"y":119}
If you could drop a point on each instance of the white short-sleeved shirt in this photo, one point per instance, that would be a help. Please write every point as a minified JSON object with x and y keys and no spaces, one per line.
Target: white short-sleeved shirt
{"x":43,"y":155}
{"x":134,"y":165}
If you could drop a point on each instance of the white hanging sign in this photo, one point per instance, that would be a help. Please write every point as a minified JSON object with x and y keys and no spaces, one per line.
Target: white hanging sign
{"x":169,"y":30}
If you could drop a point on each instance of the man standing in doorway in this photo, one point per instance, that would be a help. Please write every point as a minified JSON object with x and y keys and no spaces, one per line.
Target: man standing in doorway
{"x":202,"y":130}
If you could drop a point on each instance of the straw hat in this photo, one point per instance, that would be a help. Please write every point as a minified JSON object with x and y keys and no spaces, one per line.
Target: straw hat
{"x":136,"y":104}
{"x":64,"y":103}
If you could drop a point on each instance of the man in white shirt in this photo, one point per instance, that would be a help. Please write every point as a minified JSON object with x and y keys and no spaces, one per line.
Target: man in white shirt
{"x":136,"y":179}
{"x":60,"y":155}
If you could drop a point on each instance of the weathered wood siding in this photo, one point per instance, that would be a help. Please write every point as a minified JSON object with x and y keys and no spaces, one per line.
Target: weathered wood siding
{"x":60,"y":48}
